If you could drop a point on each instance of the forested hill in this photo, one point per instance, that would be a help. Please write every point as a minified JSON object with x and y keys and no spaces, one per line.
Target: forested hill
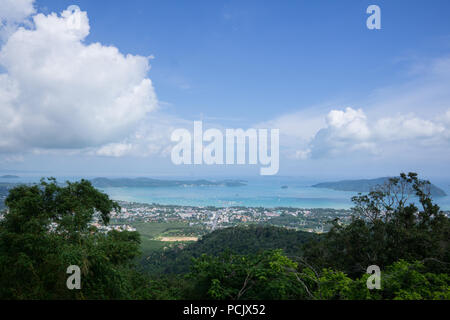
{"x":367,"y":185}
{"x":242,"y":240}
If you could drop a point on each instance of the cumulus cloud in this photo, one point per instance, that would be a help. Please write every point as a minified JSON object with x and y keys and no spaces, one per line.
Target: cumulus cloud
{"x":350,"y":130}
{"x":345,"y":130}
{"x":60,"y":92}
{"x":114,"y":149}
{"x":13,"y":13}
{"x":348,"y":124}
{"x":407,"y":127}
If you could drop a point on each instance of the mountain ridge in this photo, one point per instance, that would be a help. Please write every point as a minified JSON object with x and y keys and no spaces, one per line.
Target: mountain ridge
{"x":366,"y":185}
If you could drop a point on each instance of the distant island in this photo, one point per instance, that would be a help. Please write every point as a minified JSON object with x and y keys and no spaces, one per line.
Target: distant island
{"x":366,"y":185}
{"x":9,"y":176}
{"x":149,"y":182}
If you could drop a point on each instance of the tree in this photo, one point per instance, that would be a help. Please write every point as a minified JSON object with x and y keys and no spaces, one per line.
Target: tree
{"x":387,"y":226}
{"x":410,"y":281}
{"x":262,"y":276}
{"x":400,"y":281}
{"x":47,"y":228}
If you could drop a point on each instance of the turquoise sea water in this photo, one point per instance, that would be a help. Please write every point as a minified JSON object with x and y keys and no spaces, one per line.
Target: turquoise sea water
{"x":249,"y":196}
{"x":259,"y":192}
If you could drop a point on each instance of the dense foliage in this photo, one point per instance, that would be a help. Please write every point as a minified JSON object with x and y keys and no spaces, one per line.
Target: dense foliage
{"x":242,"y":240}
{"x":46,"y":229}
{"x":387,"y":227}
{"x":272,"y":275}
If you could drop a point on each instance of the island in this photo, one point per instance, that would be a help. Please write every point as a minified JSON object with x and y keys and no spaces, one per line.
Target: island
{"x":149,"y":182}
{"x":9,"y":176}
{"x":367,"y":185}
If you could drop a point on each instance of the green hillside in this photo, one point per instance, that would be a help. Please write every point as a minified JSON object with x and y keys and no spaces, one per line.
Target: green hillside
{"x":239,"y":240}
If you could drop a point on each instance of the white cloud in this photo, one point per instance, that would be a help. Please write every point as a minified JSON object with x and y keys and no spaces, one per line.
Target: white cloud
{"x":15,"y":10}
{"x":349,"y":124}
{"x":114,"y":149}
{"x":303,"y":154}
{"x":345,"y":130}
{"x":59,"y":92}
{"x":407,"y":127}
{"x":350,"y":130}
{"x":13,"y":13}
{"x":151,"y":137}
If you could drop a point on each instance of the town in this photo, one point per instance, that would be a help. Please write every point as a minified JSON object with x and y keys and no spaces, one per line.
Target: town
{"x":211,"y":218}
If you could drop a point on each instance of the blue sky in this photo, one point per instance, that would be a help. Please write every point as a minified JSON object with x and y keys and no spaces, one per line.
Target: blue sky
{"x":230,"y":58}
{"x":272,"y":63}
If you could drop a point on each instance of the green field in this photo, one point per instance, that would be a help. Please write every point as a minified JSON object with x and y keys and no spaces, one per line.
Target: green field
{"x":149,"y":231}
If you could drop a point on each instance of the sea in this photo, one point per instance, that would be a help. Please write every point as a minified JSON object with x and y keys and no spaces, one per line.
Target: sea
{"x":269,"y":192}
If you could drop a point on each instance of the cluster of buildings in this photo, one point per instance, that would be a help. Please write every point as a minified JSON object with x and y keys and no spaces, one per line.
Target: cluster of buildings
{"x":312,"y":220}
{"x":53,"y":227}
{"x":105,"y":229}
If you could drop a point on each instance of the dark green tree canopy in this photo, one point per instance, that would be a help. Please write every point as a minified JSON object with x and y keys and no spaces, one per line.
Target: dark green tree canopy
{"x":47,"y":227}
{"x":388,"y":226}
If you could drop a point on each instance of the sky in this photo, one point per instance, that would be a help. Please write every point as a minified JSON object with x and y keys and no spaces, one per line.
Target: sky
{"x":98,"y":88}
